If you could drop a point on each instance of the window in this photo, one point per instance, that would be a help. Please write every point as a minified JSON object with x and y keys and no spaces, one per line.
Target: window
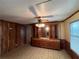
{"x":74,"y":36}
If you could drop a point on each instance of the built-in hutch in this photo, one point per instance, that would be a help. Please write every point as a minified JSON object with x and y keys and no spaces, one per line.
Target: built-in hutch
{"x":46,"y":36}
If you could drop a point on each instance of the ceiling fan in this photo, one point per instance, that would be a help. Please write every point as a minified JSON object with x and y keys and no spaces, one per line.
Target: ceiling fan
{"x":43,"y":2}
{"x":39,"y":18}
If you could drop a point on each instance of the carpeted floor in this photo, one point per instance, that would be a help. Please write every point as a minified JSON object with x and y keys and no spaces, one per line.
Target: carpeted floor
{"x":29,"y":52}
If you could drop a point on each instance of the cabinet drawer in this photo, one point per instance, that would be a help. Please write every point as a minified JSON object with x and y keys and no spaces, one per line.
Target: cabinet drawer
{"x":54,"y":45}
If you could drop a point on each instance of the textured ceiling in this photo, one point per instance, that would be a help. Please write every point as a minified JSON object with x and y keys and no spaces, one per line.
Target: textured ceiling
{"x":18,"y":10}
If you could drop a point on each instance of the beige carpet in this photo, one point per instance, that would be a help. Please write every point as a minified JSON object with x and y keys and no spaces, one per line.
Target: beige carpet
{"x":28,"y":52}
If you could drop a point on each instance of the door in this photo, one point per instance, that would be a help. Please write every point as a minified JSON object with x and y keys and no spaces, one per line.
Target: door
{"x":12,"y":35}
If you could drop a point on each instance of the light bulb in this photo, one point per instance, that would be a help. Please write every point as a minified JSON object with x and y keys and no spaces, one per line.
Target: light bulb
{"x":40,"y":25}
{"x":47,"y":28}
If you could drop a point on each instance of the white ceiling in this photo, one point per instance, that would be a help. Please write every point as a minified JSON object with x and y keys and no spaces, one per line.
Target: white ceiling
{"x":18,"y":10}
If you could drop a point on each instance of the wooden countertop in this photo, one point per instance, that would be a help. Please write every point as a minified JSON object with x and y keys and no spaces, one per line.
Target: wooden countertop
{"x":46,"y":43}
{"x":50,"y":39}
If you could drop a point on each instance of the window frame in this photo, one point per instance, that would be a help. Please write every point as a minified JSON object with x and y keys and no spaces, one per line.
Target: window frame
{"x":71,"y":35}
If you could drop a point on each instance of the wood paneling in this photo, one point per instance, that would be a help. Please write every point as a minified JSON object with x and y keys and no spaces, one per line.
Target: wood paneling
{"x":34,"y":30}
{"x":0,"y":36}
{"x":5,"y":37}
{"x":13,"y":35}
{"x":52,"y":32}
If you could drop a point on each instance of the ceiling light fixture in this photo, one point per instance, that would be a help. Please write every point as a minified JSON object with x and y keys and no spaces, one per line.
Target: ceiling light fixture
{"x":47,"y":28}
{"x":40,"y":24}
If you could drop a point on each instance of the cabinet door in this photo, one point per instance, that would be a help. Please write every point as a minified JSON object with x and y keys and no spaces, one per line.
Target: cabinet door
{"x":54,"y":44}
{"x":35,"y":31}
{"x":53,"y":31}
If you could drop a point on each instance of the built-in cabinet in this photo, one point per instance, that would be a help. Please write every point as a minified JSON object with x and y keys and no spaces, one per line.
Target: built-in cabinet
{"x":41,"y":32}
{"x":46,"y":36}
{"x":46,"y":43}
{"x":12,"y":35}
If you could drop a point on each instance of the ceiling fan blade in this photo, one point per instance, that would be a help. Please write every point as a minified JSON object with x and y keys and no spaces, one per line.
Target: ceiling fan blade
{"x":47,"y":16}
{"x":44,"y":20}
{"x":32,"y":9}
{"x":43,"y":2}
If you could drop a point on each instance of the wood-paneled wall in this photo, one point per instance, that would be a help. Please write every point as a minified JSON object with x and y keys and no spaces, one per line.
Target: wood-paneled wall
{"x":12,"y":35}
{"x":70,"y":19}
{"x":0,"y":36}
{"x":52,"y":32}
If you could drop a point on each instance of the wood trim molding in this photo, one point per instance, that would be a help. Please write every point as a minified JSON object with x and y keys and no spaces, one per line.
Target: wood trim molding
{"x":71,"y":15}
{"x":62,"y":20}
